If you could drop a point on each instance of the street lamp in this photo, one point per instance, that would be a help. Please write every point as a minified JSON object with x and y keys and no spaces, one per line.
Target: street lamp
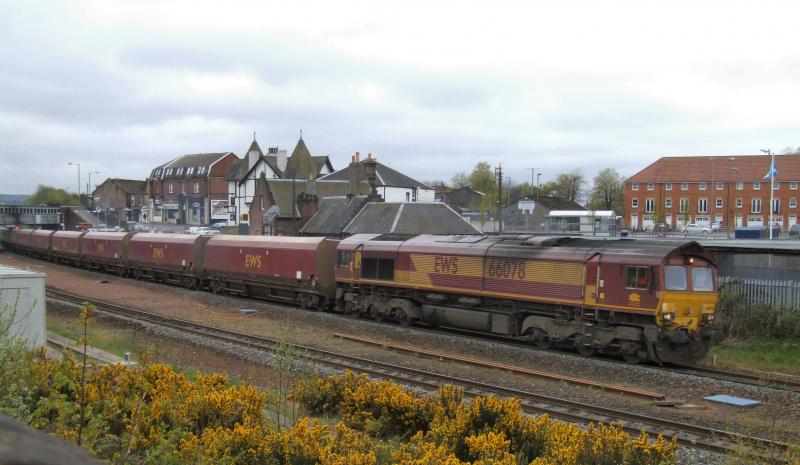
{"x":771,"y":188}
{"x":89,"y":186}
{"x":75,"y":163}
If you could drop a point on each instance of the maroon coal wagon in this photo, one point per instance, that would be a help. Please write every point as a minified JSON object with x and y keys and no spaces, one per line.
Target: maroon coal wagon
{"x":66,"y":247}
{"x":21,"y":239}
{"x":105,"y":251}
{"x":176,"y":258}
{"x":297,"y":269}
{"x":40,"y":243}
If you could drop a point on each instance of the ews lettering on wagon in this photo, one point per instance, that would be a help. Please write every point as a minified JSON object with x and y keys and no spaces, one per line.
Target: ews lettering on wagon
{"x":252,"y":261}
{"x":158,"y":252}
{"x":507,"y":268}
{"x":445,"y":265}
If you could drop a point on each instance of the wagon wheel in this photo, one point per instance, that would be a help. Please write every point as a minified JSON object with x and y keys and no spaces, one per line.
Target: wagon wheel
{"x":190,"y":283}
{"x":217,"y":286}
{"x":402,"y":317}
{"x":377,"y":315}
{"x":632,"y":358}
{"x":137,"y":273}
{"x":313,"y":303}
{"x":302,"y":300}
{"x":584,"y":349}
{"x":540,"y":338}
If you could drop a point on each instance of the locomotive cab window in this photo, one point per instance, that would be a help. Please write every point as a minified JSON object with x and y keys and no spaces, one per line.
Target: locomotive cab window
{"x":343,"y":259}
{"x":377,"y":268}
{"x":702,"y":279}
{"x":638,"y":277}
{"x":675,"y":278}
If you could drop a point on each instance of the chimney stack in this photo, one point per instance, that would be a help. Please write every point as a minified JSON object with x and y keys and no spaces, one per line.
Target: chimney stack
{"x":358,"y":157}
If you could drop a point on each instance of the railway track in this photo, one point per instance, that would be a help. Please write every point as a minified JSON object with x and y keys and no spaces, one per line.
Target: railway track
{"x":694,"y":436}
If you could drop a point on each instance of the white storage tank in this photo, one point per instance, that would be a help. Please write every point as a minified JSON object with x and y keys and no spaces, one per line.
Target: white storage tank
{"x":22,"y":305}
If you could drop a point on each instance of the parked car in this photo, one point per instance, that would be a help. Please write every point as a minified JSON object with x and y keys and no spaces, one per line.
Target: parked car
{"x":694,"y":229}
{"x":794,"y":231}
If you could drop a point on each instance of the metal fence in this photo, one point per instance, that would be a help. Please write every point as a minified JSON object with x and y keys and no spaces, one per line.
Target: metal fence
{"x":778,"y":294}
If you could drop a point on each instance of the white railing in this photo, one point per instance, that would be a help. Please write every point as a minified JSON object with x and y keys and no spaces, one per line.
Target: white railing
{"x":777,"y":294}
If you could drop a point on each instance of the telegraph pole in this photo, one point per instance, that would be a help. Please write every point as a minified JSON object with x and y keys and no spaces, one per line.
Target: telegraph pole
{"x":499,"y":172}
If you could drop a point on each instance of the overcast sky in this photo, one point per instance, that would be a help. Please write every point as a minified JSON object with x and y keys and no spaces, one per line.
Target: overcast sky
{"x":430,"y":87}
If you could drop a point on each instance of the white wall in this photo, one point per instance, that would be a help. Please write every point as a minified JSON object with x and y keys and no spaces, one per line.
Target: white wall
{"x":22,"y":299}
{"x":398,"y":194}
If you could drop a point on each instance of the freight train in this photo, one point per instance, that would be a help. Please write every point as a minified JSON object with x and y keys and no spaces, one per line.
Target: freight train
{"x":642,"y":300}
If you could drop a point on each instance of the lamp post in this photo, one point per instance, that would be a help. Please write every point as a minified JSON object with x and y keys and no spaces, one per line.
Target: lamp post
{"x":75,"y":163}
{"x":533,"y":189}
{"x":89,"y":186}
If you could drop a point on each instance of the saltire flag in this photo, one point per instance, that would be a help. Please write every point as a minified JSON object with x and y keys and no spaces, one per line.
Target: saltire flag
{"x":773,"y":171}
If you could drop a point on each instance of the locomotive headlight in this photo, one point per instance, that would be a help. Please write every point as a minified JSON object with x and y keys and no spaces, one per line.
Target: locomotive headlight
{"x":668,"y":316}
{"x":707,"y":317}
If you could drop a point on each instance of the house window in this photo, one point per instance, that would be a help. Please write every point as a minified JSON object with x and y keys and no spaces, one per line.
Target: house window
{"x":261,"y":201}
{"x":776,"y":185}
{"x":702,"y":205}
{"x":408,"y":196}
{"x":776,"y":205}
{"x":719,"y":186}
{"x":650,"y":186}
{"x":739,"y":202}
{"x":197,"y":188}
{"x":739,"y":186}
{"x":635,"y":203}
{"x":668,"y":186}
{"x":668,"y":202}
{"x":793,"y":202}
{"x":649,"y":205}
{"x":755,"y":206}
{"x":757,"y":185}
{"x":793,"y":185}
{"x":718,"y":203}
{"x":684,"y":186}
{"x":233,"y":201}
{"x":635,"y":186}
{"x":170,"y":188}
{"x":637,"y":277}
{"x":684,"y":205}
{"x":702,"y":186}
{"x":189,"y":170}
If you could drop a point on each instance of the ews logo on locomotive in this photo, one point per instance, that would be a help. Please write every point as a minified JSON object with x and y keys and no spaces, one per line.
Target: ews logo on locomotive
{"x":445,"y":265}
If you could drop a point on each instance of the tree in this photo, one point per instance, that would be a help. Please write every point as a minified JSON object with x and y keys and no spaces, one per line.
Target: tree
{"x":518,"y":191}
{"x":482,"y":179}
{"x":568,"y":185}
{"x":607,"y":191}
{"x":459,"y":179}
{"x":791,"y":150}
{"x":51,"y":195}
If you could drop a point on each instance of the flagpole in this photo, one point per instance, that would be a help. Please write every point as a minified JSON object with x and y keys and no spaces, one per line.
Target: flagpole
{"x":771,"y":193}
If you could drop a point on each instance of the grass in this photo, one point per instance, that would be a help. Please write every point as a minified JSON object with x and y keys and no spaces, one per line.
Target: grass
{"x":758,"y":354}
{"x":116,"y":341}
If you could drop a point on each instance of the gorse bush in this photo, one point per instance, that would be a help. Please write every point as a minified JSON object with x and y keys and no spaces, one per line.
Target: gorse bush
{"x":447,"y":429}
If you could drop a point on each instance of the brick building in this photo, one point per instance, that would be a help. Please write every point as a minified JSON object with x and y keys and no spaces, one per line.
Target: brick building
{"x":729,"y":190}
{"x":117,"y":201}
{"x":191,"y":189}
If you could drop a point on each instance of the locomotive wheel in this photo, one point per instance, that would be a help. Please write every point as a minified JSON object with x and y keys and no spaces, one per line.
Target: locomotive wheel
{"x":631,"y":358}
{"x":584,"y":349}
{"x":377,"y":315}
{"x":402,"y":317}
{"x":540,"y":338}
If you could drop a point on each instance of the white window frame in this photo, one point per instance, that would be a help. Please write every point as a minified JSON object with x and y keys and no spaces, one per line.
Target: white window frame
{"x":720,"y":185}
{"x":668,"y":202}
{"x":756,"y":185}
{"x":170,"y":188}
{"x":793,"y":185}
{"x":739,"y":185}
{"x":635,"y":186}
{"x":684,"y":186}
{"x":718,"y":203}
{"x":702,"y":205}
{"x":739,"y":202}
{"x":776,"y":185}
{"x":650,"y":186}
{"x":776,"y":205}
{"x":634,"y":203}
{"x":668,"y":186}
{"x":755,"y":205}
{"x":649,"y":205}
{"x":702,"y":186}
{"x":793,"y":202}
{"x":683,"y":205}
{"x":196,"y":187}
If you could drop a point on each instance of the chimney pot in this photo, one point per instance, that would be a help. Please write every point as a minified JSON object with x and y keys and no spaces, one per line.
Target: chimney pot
{"x":358,"y":157}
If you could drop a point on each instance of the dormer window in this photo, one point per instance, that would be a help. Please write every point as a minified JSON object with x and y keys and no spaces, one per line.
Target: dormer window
{"x":189,"y":170}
